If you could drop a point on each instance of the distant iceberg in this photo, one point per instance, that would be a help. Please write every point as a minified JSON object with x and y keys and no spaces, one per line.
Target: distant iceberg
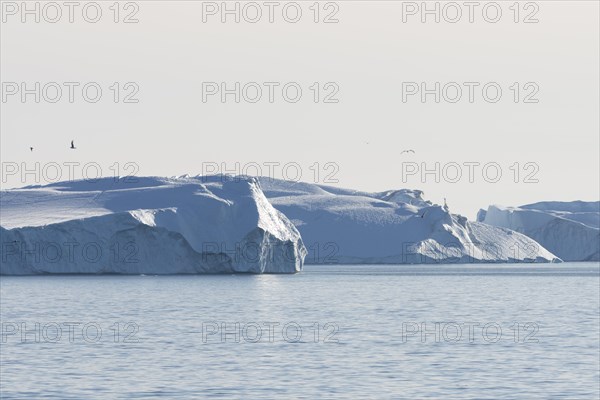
{"x":146,"y":226}
{"x":571,"y":230}
{"x":395,"y":227}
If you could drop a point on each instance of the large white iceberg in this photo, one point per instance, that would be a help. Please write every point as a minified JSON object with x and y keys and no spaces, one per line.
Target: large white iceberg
{"x":397,"y":226}
{"x":146,"y":226}
{"x":221,"y":224}
{"x":571,"y":230}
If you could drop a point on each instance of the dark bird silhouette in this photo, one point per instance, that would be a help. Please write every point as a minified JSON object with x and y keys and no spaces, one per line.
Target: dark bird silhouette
{"x":407,"y":151}
{"x":72,"y":145}
{"x":31,"y":149}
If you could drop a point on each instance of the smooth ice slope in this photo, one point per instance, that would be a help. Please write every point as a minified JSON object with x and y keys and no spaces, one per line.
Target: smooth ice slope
{"x":568,"y":229}
{"x":397,"y":226}
{"x":146,"y":225}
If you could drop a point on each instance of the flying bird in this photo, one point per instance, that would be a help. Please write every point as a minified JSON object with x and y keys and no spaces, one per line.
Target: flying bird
{"x":407,"y":151}
{"x":72,"y":145}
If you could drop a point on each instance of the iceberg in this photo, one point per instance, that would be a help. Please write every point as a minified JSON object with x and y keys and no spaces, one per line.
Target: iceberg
{"x":571,"y":230}
{"x":230,"y":224}
{"x":146,"y":226}
{"x":394,"y":227}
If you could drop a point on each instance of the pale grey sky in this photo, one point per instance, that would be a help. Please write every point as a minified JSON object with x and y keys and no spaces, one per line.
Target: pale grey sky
{"x":370,"y":55}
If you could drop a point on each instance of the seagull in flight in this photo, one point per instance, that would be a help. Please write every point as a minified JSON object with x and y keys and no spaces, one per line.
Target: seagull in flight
{"x":72,"y":145}
{"x":407,"y":151}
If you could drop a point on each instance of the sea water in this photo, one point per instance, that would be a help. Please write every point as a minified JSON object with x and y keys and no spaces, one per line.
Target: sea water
{"x":337,"y":331}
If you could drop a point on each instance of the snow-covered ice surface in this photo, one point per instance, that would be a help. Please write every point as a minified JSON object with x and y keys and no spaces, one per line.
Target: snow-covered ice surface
{"x":146,"y":226}
{"x":568,"y":229}
{"x":396,"y":226}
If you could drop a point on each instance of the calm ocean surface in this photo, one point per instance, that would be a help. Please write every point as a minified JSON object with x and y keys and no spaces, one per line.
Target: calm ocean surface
{"x":476,"y":331}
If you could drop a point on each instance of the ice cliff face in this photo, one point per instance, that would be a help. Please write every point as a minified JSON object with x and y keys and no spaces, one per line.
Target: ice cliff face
{"x":568,"y":229}
{"x":146,"y":226}
{"x":399,"y":226}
